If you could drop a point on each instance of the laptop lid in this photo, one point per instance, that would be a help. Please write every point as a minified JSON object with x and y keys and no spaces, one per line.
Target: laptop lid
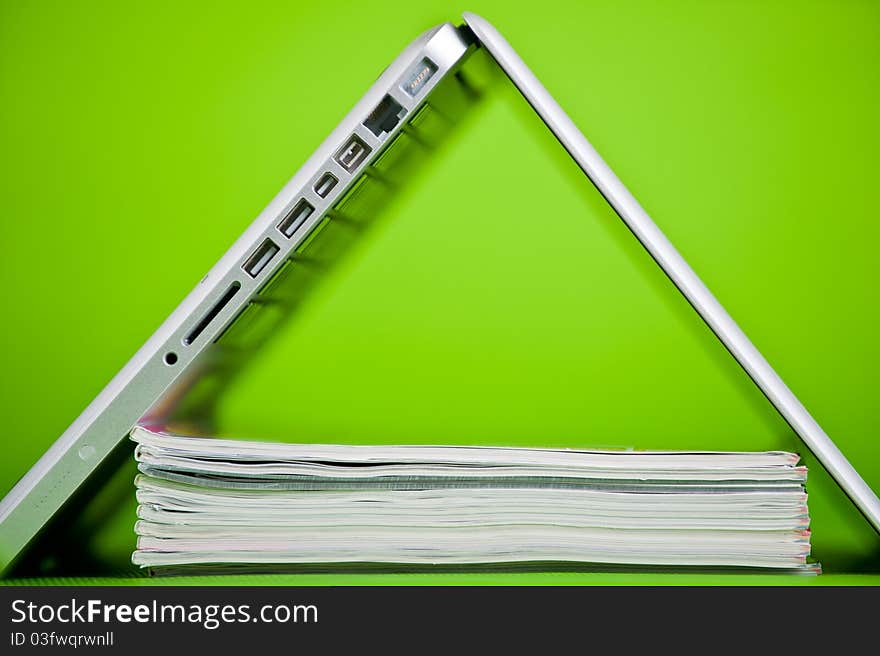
{"x":678,"y":270}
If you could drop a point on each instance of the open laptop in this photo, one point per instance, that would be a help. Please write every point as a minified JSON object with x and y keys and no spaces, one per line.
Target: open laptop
{"x":183,"y":351}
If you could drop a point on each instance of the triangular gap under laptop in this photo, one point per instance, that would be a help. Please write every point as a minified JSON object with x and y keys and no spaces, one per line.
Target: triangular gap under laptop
{"x":182,"y":357}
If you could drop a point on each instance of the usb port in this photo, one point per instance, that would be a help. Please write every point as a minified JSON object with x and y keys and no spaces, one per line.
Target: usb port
{"x":295,"y":218}
{"x":261,"y":257}
{"x":352,"y":154}
{"x":325,"y":185}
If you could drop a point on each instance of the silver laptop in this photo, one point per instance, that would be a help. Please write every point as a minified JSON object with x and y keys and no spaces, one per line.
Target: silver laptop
{"x":183,"y":356}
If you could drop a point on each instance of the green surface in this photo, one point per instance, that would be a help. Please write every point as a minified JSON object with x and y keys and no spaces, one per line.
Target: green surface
{"x":543,"y":578}
{"x":499,"y":300}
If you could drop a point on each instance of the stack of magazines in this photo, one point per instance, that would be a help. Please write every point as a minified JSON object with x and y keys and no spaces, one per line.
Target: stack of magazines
{"x":205,"y":501}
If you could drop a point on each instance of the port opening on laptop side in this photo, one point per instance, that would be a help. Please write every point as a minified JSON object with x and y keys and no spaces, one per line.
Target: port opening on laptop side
{"x":329,"y":238}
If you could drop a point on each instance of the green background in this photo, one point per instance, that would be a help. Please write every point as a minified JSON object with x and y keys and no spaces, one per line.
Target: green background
{"x":499,"y":301}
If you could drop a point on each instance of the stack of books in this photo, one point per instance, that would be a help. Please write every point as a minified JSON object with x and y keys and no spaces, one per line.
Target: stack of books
{"x":205,"y":501}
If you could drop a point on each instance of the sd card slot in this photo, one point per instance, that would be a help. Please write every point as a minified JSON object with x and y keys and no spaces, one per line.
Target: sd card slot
{"x":212,"y":313}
